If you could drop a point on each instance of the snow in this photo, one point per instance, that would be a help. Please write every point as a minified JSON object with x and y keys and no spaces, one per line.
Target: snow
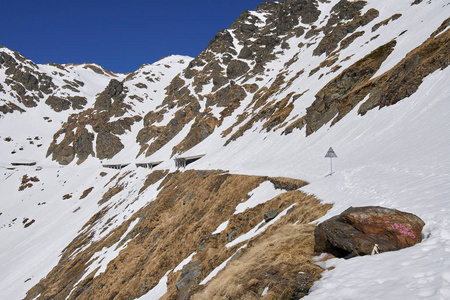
{"x":158,"y":291}
{"x":219,"y":268}
{"x":257,"y":229}
{"x":264,"y":192}
{"x":266,"y":290}
{"x":221,"y":227}
{"x":369,"y":277}
{"x":28,"y":254}
{"x":184,"y":262}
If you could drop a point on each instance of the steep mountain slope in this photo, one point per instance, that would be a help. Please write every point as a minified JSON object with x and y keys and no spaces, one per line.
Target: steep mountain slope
{"x":254,"y":75}
{"x":264,"y":101}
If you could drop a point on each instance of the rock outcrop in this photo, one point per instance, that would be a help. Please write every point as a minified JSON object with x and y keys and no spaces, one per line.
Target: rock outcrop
{"x":29,"y":86}
{"x":357,"y":230}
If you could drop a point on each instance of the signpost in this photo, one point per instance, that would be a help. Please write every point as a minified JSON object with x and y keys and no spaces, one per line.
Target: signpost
{"x":331,"y":154}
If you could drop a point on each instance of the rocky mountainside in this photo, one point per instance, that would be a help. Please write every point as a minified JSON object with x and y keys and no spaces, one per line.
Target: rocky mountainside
{"x":252,"y":76}
{"x":94,"y":109}
{"x":262,"y":102}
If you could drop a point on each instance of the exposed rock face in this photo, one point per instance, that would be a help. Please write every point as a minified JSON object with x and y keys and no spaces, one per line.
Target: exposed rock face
{"x":271,"y":214}
{"x":249,"y":78}
{"x":107,"y":145}
{"x":405,"y":78}
{"x":78,"y":141}
{"x":346,"y":18}
{"x":29,"y":85}
{"x":347,"y":90}
{"x":189,"y":276}
{"x":10,"y":108}
{"x":329,"y":99}
{"x":236,"y":68}
{"x":59,"y":104}
{"x":113,"y":92}
{"x":358,"y":229}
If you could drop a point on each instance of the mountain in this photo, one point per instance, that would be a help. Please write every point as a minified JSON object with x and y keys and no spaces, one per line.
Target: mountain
{"x":255,"y":113}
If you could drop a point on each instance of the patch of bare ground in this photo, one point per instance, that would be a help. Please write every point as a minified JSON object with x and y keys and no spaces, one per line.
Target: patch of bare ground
{"x":107,"y":120}
{"x":385,"y":22}
{"x":86,"y":192}
{"x":203,"y":126}
{"x":189,"y":207}
{"x":27,"y":182}
{"x":345,"y":19}
{"x":404,"y":79}
{"x":152,"y":178}
{"x":161,"y":135}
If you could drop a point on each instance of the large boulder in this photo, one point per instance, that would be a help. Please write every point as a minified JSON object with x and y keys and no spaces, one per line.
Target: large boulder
{"x":357,"y":230}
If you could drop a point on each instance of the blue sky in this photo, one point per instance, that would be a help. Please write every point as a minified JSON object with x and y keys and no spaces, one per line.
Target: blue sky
{"x":118,"y":35}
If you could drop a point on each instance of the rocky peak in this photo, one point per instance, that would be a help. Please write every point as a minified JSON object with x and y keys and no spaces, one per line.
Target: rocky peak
{"x":115,"y":110}
{"x":26,"y":84}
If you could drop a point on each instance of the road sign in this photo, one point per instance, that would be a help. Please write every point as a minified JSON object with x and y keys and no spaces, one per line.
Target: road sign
{"x":331,"y":154}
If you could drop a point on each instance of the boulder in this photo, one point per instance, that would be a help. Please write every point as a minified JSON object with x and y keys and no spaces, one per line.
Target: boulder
{"x":237,"y":68}
{"x":271,"y":214}
{"x":357,"y":230}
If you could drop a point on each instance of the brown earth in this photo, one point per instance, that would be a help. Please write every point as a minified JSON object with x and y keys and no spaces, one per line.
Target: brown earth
{"x":27,"y":182}
{"x":190,"y":205}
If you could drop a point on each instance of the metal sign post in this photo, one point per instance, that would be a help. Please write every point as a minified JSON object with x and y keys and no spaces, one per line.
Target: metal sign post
{"x":331,"y":154}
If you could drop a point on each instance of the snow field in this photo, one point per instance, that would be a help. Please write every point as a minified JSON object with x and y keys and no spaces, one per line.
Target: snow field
{"x":263,"y":193}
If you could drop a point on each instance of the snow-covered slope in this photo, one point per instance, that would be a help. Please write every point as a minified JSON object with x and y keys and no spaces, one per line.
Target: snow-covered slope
{"x":267,"y":97}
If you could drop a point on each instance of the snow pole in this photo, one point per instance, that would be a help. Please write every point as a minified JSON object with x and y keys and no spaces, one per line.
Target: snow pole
{"x":331,"y":166}
{"x":331,"y":154}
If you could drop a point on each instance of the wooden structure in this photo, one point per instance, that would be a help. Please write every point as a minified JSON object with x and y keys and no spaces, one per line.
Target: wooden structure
{"x":182,"y":162}
{"x":24,"y":163}
{"x":115,"y":166}
{"x":149,"y":165}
